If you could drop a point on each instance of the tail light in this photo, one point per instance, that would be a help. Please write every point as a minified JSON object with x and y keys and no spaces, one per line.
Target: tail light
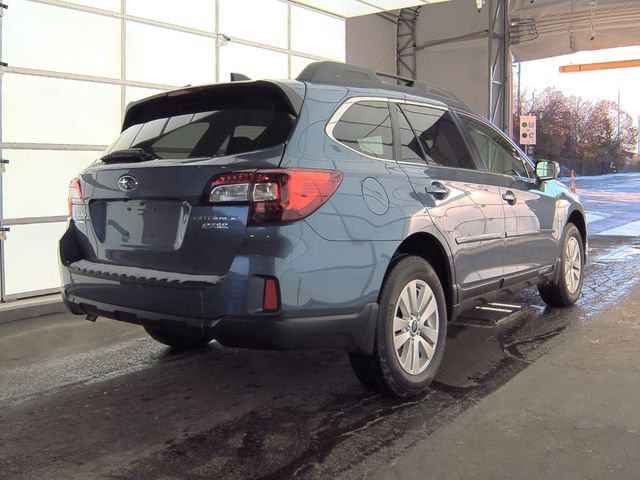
{"x":75,"y":194}
{"x":276,"y":196}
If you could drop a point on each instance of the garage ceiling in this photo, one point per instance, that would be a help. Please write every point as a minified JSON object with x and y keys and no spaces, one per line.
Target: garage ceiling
{"x":354,"y":8}
{"x":546,"y":28}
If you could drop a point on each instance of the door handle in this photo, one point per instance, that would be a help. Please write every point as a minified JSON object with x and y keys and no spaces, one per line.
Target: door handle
{"x":509,"y":197}
{"x":437,"y":189}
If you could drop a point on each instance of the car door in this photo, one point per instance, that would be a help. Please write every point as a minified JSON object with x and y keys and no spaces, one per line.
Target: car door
{"x":531,"y":242}
{"x":447,"y":179}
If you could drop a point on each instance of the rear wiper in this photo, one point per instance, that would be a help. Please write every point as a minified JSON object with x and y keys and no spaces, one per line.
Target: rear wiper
{"x":128,"y":155}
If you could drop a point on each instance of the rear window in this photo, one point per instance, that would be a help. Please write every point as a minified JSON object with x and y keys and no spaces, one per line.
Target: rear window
{"x":204,"y":124}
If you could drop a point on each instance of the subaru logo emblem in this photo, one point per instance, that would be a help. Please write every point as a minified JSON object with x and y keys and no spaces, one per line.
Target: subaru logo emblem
{"x":126,"y":183}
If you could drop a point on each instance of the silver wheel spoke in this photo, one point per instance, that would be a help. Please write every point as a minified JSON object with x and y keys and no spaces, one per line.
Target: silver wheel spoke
{"x":404,"y":303}
{"x":415,"y":356}
{"x":429,"y":333}
{"x":412,"y":294}
{"x":401,"y":339}
{"x":400,"y":323}
{"x":428,"y":349}
{"x":428,"y":311}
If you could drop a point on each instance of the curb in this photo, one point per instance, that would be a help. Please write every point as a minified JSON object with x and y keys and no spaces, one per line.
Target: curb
{"x":31,"y":307}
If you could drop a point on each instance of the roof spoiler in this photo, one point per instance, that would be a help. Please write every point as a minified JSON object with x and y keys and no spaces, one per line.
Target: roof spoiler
{"x":238,"y":77}
{"x":347,"y":75}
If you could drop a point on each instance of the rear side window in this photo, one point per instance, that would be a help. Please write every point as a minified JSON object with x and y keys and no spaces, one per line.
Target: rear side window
{"x":366,"y":128}
{"x":210,"y":133}
{"x":439,"y":137}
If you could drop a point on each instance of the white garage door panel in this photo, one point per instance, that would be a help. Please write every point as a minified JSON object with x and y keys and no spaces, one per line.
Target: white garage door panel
{"x":30,"y":255}
{"x":254,"y":62}
{"x":36,"y":181}
{"x":113,"y":5}
{"x":161,"y":55}
{"x":196,"y":14}
{"x":47,"y":37}
{"x":53,"y":110}
{"x":317,"y":33}
{"x":267,"y":22}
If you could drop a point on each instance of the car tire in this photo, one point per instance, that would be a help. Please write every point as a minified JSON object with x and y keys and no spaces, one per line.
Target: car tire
{"x":178,"y":341}
{"x":410,"y":332}
{"x":566,"y":290}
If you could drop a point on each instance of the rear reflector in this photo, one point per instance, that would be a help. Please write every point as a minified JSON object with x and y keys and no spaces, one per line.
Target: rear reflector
{"x":284,"y":195}
{"x":75,"y":194}
{"x":271,"y":298}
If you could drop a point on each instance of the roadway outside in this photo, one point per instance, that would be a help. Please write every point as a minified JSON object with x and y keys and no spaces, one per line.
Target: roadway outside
{"x":546,"y":393}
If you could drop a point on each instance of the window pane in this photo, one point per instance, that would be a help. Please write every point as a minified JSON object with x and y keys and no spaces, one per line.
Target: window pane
{"x":409,"y":148}
{"x":317,"y":33}
{"x":439,"y":137}
{"x":252,"y":62}
{"x":53,"y":110}
{"x":196,"y":14}
{"x":298,"y":64}
{"x":30,"y":257}
{"x":160,"y":55}
{"x":262,"y":22}
{"x":366,"y":127}
{"x":47,"y":174}
{"x":46,"y":37}
{"x":498,"y":155}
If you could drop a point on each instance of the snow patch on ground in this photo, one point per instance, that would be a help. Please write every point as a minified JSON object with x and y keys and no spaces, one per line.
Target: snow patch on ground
{"x":629,"y":230}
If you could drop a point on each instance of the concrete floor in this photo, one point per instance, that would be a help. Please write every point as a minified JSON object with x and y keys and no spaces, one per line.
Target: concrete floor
{"x":546,"y":394}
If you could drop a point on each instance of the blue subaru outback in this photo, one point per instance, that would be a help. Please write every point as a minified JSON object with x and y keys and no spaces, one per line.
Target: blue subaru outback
{"x":333,"y":211}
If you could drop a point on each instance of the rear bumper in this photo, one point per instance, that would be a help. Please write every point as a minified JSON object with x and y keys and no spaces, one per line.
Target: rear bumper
{"x":354,"y":331}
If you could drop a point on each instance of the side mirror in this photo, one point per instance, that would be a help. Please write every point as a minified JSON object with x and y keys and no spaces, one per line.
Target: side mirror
{"x":546,"y":170}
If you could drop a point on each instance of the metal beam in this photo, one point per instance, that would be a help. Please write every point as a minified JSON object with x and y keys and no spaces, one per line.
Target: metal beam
{"x":498,"y":61}
{"x":587,"y":67}
{"x":406,"y":59}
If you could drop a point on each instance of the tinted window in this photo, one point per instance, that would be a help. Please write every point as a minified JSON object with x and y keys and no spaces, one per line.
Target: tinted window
{"x":209,"y":134}
{"x":498,"y":154}
{"x":366,"y":127}
{"x":410,"y":150}
{"x":439,"y":137}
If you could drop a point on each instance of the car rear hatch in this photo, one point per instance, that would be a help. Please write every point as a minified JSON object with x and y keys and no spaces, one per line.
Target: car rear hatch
{"x":142,"y":206}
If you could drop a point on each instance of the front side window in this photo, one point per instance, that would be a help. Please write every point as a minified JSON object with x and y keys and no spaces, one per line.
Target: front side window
{"x":439,"y":137}
{"x":498,"y":155}
{"x":366,"y":128}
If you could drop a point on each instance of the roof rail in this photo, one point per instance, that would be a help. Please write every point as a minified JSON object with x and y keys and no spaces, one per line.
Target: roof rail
{"x":344,"y":74}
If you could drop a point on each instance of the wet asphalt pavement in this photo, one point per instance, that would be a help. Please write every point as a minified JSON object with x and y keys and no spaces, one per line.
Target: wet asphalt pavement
{"x":79,"y":400}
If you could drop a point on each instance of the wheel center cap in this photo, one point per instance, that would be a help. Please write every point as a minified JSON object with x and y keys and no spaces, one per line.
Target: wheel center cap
{"x":414,"y":327}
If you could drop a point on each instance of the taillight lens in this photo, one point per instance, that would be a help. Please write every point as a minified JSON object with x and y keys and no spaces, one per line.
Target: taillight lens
{"x":75,"y":194}
{"x":283,"y":195}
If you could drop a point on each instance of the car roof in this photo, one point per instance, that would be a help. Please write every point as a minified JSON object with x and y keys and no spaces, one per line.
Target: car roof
{"x":363,"y":78}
